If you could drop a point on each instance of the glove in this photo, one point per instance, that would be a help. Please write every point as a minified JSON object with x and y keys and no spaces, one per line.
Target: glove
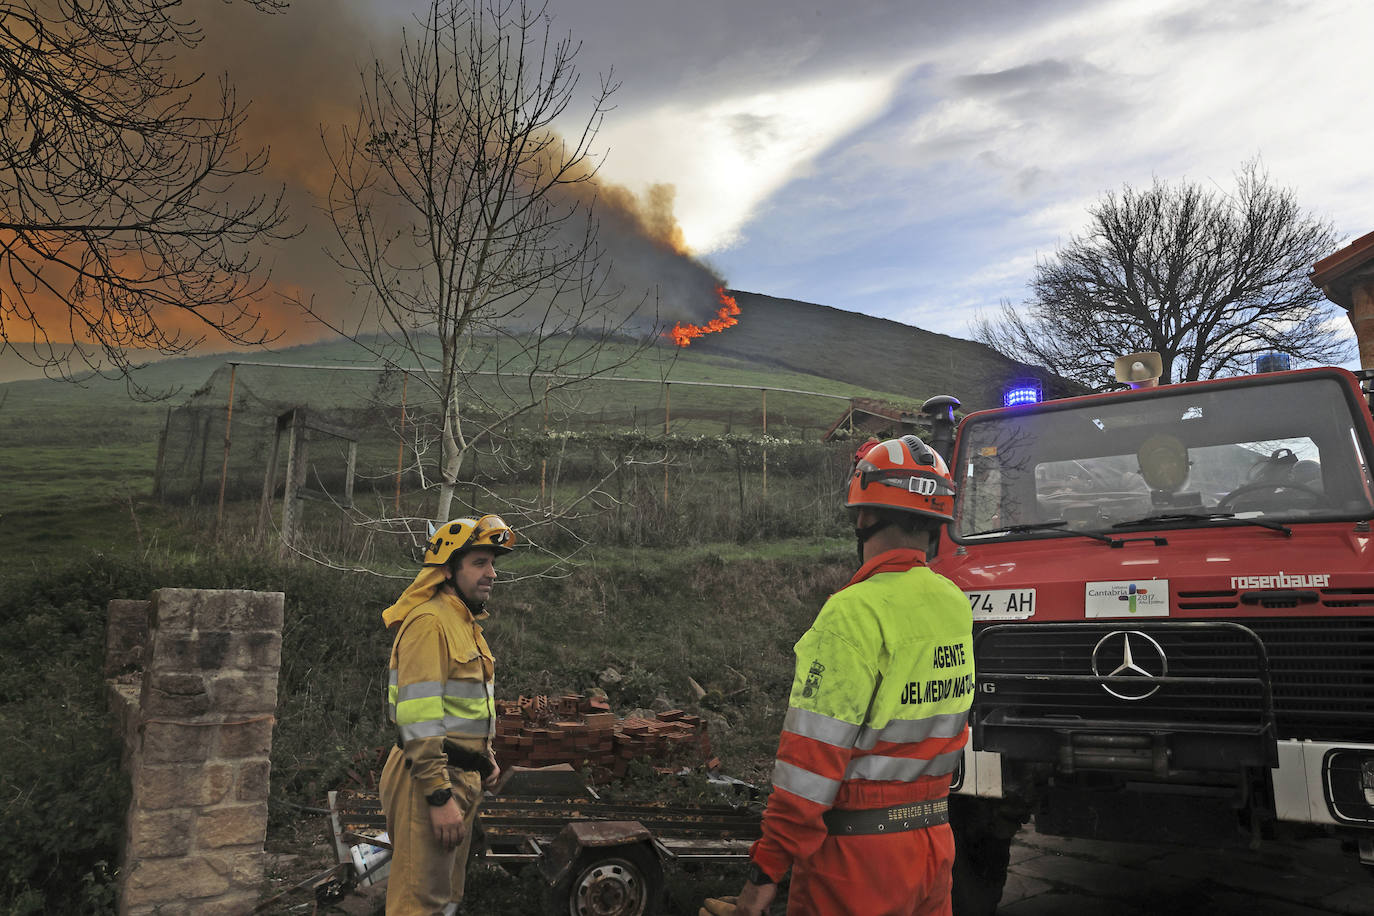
{"x":718,"y":906}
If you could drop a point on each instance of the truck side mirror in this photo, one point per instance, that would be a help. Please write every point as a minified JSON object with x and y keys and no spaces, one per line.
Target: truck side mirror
{"x":940,"y":409}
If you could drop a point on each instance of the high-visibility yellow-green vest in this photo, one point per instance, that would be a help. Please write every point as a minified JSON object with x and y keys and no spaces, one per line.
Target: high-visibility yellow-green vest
{"x":878,"y":714}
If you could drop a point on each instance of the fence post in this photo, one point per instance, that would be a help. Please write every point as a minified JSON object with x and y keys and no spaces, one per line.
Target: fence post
{"x":544,"y":462}
{"x":667,"y":420}
{"x":269,"y":483}
{"x":350,"y":468}
{"x":401,"y":442}
{"x":295,"y":479}
{"x":224,"y":470}
{"x":204,"y":422}
{"x":765,"y":448}
{"x":161,"y":456}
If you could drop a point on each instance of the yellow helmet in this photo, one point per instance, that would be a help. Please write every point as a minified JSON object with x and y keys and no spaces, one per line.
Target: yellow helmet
{"x":466,"y":533}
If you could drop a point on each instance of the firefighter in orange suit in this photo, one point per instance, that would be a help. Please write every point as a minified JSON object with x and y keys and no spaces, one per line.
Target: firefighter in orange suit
{"x":441,"y":700}
{"x":878,"y":716}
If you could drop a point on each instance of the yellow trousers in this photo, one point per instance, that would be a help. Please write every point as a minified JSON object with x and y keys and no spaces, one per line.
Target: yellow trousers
{"x":426,"y":879}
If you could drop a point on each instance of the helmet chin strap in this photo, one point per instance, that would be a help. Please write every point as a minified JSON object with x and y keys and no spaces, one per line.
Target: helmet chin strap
{"x":861,"y":535}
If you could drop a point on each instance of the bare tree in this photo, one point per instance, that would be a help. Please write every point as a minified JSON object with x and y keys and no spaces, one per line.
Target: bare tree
{"x":462,"y":214}
{"x":1209,"y":280}
{"x":118,"y":225}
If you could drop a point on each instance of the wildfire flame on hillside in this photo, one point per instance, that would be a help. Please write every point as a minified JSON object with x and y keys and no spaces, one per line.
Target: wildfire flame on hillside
{"x":684,"y":334}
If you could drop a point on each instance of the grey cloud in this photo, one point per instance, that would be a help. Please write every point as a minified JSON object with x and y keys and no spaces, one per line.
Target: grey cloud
{"x":1075,"y":91}
{"x":754,"y":133}
{"x":1026,"y":180}
{"x":1032,"y":77}
{"x":1031,"y":179}
{"x":953,"y":144}
{"x":707,"y":48}
{"x":1229,"y":18}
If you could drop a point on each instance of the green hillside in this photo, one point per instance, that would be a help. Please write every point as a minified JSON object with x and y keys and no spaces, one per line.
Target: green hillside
{"x":871,"y":353}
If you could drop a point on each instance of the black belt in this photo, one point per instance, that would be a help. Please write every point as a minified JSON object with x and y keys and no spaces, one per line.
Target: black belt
{"x":463,"y":759}
{"x":897,"y":819}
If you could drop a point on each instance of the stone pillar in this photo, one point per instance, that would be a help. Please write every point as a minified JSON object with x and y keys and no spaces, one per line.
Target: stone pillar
{"x":200,"y":738}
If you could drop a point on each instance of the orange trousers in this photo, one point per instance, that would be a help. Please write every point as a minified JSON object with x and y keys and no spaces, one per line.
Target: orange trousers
{"x":425,"y":879}
{"x":895,"y":874}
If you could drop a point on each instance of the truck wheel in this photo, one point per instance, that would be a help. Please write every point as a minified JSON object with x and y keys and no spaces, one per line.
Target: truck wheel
{"x":614,"y":881}
{"x":980,"y":861}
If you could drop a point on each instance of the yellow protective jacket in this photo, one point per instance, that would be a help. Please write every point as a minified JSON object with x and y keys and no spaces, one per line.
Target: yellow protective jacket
{"x":441,"y":686}
{"x":878,"y":714}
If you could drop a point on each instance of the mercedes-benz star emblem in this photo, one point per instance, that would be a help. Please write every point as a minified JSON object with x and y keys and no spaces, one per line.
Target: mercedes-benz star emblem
{"x":1138,"y":654}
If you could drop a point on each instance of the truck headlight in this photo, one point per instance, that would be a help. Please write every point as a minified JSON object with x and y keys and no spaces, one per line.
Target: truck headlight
{"x":1348,"y":775}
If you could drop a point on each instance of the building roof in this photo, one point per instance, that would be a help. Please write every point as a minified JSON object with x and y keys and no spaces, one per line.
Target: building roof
{"x":1336,"y":274}
{"x":869,"y":414}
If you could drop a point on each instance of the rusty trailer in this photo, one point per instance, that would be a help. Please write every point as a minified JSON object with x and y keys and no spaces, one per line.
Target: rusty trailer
{"x":595,"y":856}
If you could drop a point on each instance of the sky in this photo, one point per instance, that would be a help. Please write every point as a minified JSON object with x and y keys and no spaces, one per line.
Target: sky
{"x":906,"y":159}
{"x":913,"y":160}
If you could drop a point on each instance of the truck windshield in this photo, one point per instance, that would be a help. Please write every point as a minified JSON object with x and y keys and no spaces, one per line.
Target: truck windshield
{"x":1277,"y":448}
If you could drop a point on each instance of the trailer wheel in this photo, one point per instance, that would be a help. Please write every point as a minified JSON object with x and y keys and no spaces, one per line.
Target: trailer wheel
{"x":982,"y":851}
{"x":610,"y":881}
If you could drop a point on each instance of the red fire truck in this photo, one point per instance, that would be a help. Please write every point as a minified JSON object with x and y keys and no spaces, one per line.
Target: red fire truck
{"x":1173,"y":601}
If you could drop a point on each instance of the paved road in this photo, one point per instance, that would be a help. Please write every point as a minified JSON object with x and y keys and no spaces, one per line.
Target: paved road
{"x":1050,"y":876}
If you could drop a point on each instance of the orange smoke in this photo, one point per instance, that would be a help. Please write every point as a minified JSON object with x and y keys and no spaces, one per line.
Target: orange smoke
{"x":684,"y":334}
{"x":42,"y":317}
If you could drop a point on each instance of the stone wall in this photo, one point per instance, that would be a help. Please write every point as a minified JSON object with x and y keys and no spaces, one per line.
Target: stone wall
{"x":198,"y":732}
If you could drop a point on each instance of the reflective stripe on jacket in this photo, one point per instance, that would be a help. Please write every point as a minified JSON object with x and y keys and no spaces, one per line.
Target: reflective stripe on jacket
{"x":440,"y":687}
{"x":878,"y":714}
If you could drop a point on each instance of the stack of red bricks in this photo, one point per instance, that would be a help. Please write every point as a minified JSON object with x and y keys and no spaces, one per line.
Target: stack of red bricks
{"x":581,"y":731}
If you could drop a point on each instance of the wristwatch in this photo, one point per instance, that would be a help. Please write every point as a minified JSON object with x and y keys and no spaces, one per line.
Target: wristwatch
{"x":439,"y":796}
{"x":757,"y":876}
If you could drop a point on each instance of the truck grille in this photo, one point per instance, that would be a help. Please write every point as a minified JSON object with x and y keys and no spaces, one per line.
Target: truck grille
{"x":1231,"y":599}
{"x":1321,"y":670}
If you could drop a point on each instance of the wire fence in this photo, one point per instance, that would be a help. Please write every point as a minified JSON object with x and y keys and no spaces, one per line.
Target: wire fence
{"x":623,"y":461}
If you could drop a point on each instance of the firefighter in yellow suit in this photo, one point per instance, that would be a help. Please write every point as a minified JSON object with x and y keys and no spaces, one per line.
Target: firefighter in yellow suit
{"x":441,"y":700}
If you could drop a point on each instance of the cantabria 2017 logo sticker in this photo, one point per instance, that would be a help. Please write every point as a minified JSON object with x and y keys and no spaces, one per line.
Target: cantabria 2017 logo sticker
{"x":1135,"y":598}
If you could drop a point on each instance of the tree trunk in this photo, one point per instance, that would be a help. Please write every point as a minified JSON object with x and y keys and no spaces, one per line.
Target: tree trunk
{"x":453,"y":449}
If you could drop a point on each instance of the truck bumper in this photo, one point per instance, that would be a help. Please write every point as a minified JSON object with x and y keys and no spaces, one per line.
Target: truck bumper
{"x":1315,"y":782}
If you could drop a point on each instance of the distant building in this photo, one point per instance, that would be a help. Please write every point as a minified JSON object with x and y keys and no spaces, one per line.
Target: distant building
{"x":871,"y":417}
{"x":1347,"y":279}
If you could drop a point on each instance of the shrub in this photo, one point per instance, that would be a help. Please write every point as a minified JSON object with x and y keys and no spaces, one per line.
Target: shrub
{"x":720,"y":615}
{"x":64,"y":794}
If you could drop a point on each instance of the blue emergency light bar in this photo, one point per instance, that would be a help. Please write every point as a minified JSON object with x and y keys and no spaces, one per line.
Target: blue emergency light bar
{"x":1022,"y":391}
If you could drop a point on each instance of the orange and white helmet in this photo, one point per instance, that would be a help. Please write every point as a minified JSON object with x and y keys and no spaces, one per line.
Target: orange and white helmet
{"x":902,"y":474}
{"x":465,"y":534}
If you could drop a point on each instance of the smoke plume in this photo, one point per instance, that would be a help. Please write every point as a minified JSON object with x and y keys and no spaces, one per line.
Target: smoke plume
{"x":301,"y":72}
